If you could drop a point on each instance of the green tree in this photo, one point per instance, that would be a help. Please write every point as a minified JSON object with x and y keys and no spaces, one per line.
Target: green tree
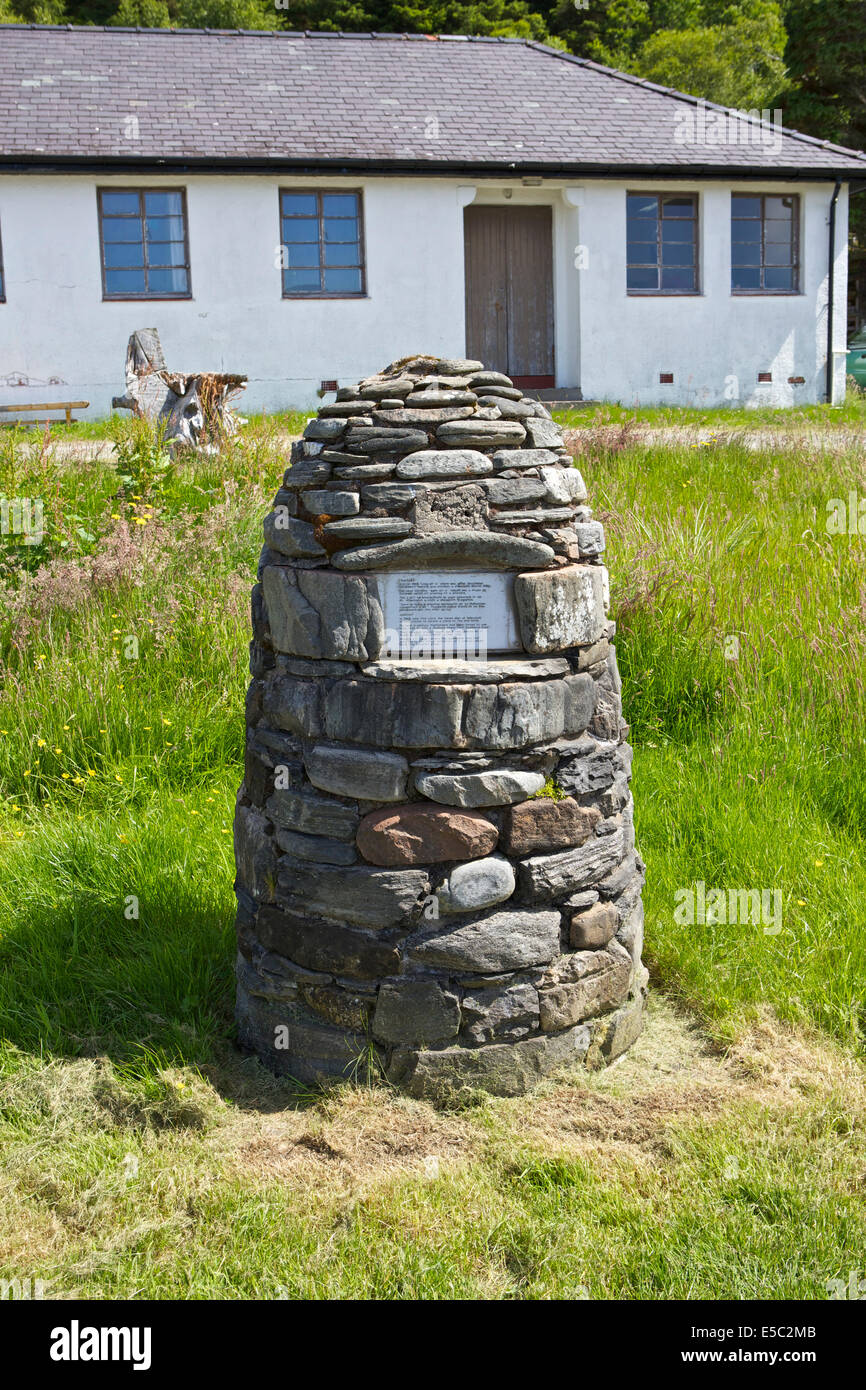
{"x":517,"y":18}
{"x":825,"y":55}
{"x":735,"y":63}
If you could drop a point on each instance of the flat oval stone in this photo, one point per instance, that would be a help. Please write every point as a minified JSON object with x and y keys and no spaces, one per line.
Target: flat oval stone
{"x":472,"y":887}
{"x":495,"y":788}
{"x":432,"y":397}
{"x":500,"y":552}
{"x":484,"y":432}
{"x":366,"y":528}
{"x":414,"y":834}
{"x":444,"y":463}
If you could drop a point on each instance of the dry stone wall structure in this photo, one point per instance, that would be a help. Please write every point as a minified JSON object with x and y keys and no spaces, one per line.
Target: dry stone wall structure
{"x":436,"y":863}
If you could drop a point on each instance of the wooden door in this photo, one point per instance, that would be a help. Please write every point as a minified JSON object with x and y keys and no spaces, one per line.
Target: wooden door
{"x":509,"y":291}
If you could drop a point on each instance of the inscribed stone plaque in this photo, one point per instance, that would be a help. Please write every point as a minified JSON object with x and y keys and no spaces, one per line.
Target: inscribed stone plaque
{"x":448,"y":613}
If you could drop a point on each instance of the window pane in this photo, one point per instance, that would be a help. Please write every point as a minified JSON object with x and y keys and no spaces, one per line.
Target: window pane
{"x":343,"y":281}
{"x":746,"y":255}
{"x":642,"y":205}
{"x":123,"y":253}
{"x":742,"y":205}
{"x":341,"y":229}
{"x":642,"y":253}
{"x":778,"y":279}
{"x":120,"y":202}
{"x":300,"y":229}
{"x":164,"y":228}
{"x":162,"y":203}
{"x":777,"y":255}
{"x":746,"y":232}
{"x":641,"y":279}
{"x":124,"y":282}
{"x":340,"y":204}
{"x":779,"y":207}
{"x":641,"y":229}
{"x":165,"y":253}
{"x":167,"y":281}
{"x":775,"y":230}
{"x":341,"y":255}
{"x":678,"y":279}
{"x":677,"y":231}
{"x":679,"y":207}
{"x":121,"y":229}
{"x":678,"y":255}
{"x":301,"y":254}
{"x":745,"y":279}
{"x":301,"y":282}
{"x":299,"y":204}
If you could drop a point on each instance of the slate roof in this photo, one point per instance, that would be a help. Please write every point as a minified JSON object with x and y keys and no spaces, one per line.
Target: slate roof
{"x":339,"y":101}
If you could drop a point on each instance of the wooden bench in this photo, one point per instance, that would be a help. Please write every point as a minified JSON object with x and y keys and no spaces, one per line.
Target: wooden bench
{"x":67,"y":406}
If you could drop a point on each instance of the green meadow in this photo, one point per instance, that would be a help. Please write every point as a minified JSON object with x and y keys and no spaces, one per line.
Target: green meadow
{"x":142,"y":1156}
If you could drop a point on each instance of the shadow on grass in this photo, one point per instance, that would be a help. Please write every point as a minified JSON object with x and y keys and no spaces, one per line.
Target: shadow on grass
{"x":162,"y":1000}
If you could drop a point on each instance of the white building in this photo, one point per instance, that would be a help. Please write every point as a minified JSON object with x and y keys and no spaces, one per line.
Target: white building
{"x":306,"y":208}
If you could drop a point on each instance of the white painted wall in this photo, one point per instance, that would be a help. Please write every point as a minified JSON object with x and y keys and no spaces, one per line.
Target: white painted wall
{"x":55,"y":323}
{"x":715,"y":343}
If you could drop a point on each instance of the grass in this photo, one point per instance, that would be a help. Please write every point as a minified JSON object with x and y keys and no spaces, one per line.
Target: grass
{"x":141,"y":1157}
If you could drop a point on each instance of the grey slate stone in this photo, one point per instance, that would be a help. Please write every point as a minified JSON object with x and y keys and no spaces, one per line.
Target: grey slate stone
{"x":615,"y":1034}
{"x":543,"y":434}
{"x":294,"y":705}
{"x":440,"y":463}
{"x":374,"y":439}
{"x":316,"y":848}
{"x":523,"y":458}
{"x":509,"y":410}
{"x":309,"y":814}
{"x":331,"y":502}
{"x":326,"y":946}
{"x":583,"y":985}
{"x":503,"y":1012}
{"x":324,"y":431}
{"x":493,"y":551}
{"x":317,"y":1054}
{"x":483,"y":433}
{"x":436,"y":669}
{"x":391,"y":496}
{"x":501,"y":941}
{"x":354,"y":772}
{"x":291,"y":537}
{"x":590,"y":538}
{"x":366,"y":528}
{"x":307,"y":473}
{"x":564,"y":485}
{"x":501,"y":1069}
{"x":255,"y":853}
{"x":415,"y":1012}
{"x":493,"y":788}
{"x":319,"y":614}
{"x":560,"y":608}
{"x":513,"y":492}
{"x":375,"y":898}
{"x":552,"y":877}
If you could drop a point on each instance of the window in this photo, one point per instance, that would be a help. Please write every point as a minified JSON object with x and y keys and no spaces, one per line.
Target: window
{"x":662,"y":237}
{"x":765,"y":239}
{"x":321,"y":240}
{"x":144,"y":244}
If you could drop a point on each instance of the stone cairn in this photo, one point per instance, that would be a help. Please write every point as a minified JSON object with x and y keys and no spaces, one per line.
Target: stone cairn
{"x":437,"y":872}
